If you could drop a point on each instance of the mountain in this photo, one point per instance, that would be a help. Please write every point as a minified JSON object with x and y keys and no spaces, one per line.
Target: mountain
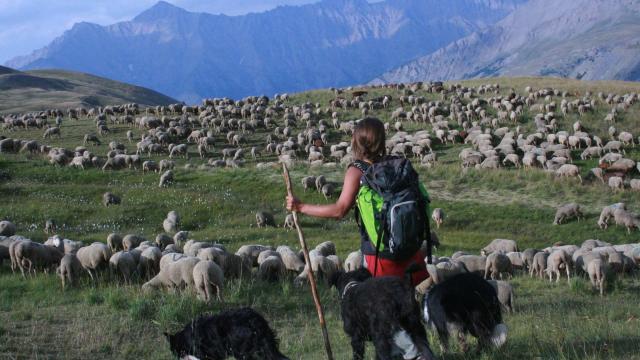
{"x":46,"y":89}
{"x":291,"y":48}
{"x":581,"y":39}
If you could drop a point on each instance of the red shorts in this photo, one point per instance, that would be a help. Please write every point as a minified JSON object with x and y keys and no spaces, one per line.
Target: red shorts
{"x":388,"y":267}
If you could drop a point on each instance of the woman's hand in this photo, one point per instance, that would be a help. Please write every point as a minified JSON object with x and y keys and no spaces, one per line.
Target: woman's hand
{"x":293,"y":203}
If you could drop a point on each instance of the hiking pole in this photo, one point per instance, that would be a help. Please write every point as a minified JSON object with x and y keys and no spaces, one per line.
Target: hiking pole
{"x":312,"y":279}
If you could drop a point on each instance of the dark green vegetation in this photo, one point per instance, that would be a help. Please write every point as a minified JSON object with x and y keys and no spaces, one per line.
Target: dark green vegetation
{"x":553,"y":321}
{"x":38,"y":90}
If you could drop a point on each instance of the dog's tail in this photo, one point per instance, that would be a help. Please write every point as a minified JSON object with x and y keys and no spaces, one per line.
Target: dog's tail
{"x":499,"y":335}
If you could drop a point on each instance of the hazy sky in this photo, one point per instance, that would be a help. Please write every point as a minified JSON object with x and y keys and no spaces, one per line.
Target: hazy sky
{"x":26,"y":25}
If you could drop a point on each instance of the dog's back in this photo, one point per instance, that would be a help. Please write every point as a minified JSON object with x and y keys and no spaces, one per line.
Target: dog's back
{"x":470,"y":304}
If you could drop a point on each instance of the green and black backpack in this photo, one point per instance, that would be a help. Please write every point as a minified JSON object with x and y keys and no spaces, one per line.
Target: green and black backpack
{"x":392,"y":210}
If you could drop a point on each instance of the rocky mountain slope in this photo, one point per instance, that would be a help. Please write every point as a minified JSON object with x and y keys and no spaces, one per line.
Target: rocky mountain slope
{"x":581,"y":39}
{"x":291,"y":48}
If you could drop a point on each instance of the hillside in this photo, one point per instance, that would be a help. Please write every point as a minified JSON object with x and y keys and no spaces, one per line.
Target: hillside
{"x":111,"y":319}
{"x":584,"y":39}
{"x":46,"y":89}
{"x":190,"y":55}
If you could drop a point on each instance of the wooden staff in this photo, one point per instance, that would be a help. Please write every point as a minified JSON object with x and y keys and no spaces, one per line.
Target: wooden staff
{"x":312,"y":279}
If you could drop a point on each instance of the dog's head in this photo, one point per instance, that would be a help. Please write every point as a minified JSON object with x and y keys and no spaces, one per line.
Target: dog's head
{"x":340,"y":279}
{"x":181,"y":343}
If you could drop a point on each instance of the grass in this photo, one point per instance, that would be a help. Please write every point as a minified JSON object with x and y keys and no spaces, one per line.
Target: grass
{"x":106,"y":320}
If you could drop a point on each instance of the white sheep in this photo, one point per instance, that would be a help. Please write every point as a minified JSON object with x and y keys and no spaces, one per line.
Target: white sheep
{"x":502,"y":245}
{"x":616,"y":183}
{"x":207,"y":275}
{"x":252,"y":251}
{"x":290,"y":259}
{"x":166,"y":178}
{"x":69,"y":269}
{"x":123,"y":263}
{"x":568,"y":170}
{"x":115,"y":242}
{"x":496,"y":265}
{"x":539,"y":264}
{"x":271,"y":269}
{"x":438,"y":216}
{"x":597,"y":274}
{"x":94,"y":257}
{"x":567,"y":211}
{"x":326,"y":248}
{"x":149,"y":262}
{"x":354,"y":261}
{"x":557,"y":261}
{"x":504,"y":290}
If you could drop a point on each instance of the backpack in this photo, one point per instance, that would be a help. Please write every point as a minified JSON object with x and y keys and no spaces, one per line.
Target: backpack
{"x":392,"y":208}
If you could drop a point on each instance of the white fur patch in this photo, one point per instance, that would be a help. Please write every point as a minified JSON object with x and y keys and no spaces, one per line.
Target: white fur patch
{"x":425,"y":309}
{"x":189,"y":357}
{"x":499,"y":335}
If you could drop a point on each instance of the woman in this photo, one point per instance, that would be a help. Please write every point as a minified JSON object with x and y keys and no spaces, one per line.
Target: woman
{"x":368,"y":147}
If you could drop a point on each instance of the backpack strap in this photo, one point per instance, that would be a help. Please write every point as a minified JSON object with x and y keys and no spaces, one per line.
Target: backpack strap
{"x":363,"y":166}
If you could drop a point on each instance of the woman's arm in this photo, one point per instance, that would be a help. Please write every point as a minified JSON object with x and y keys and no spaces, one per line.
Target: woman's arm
{"x":340,"y":208}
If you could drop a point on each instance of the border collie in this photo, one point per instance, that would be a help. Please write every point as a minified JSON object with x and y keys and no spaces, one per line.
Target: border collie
{"x":465,"y":304}
{"x":241,"y":333}
{"x":374,"y":309}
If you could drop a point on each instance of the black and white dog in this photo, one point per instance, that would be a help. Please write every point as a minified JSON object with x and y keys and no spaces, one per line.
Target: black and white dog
{"x":374,"y":309}
{"x":465,"y":304}
{"x":240,"y":333}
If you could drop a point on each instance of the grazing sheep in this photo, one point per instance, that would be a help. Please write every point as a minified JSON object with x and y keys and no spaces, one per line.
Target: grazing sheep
{"x":181,"y":272}
{"x":211,"y":254}
{"x":328,"y":190}
{"x":166,"y":178}
{"x":165,"y":165}
{"x":110,"y":199}
{"x":251,"y":252}
{"x":591,"y":243}
{"x":320,"y":182}
{"x":69,"y":270}
{"x":539,"y":264}
{"x":149,"y":165}
{"x":162,"y":240}
{"x":235,"y":266}
{"x":474,"y":263}
{"x":290,"y":259}
{"x":517,"y":262}
{"x":31,"y":256}
{"x":207,"y":275}
{"x":308,"y":182}
{"x":527,"y":258}
{"x":265,"y":254}
{"x":289,"y":223}
{"x":557,"y":261}
{"x":326,"y":248}
{"x":505,"y":294}
{"x":149,"y":262}
{"x":264,"y":219}
{"x":438,"y":216}
{"x":94,"y":257}
{"x":634,"y":184}
{"x":7,"y":228}
{"x":496,"y":265}
{"x":568,"y":170}
{"x":566,"y":212}
{"x":271,"y":269}
{"x":180,"y":237}
{"x":115,"y":242}
{"x":597,"y":274}
{"x":616,"y":183}
{"x":131,"y":241}
{"x":123,"y":263}
{"x":191,"y":248}
{"x":354,"y":261}
{"x":608,"y":213}
{"x":444,"y":270}
{"x":501,"y":245}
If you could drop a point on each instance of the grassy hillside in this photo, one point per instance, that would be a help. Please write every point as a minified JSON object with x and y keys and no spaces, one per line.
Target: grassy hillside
{"x":46,"y":89}
{"x":108,"y":321}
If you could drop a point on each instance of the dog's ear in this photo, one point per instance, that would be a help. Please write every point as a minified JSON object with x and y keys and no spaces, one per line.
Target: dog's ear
{"x":335,"y":278}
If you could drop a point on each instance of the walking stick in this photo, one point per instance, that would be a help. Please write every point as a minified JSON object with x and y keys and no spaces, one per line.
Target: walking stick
{"x":312,"y":279}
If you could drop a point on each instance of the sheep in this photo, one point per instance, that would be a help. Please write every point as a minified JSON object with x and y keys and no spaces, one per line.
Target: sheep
{"x":251,"y":252}
{"x":608,"y":213}
{"x":289,"y":222}
{"x":328,"y":190}
{"x":616,"y":183}
{"x":110,"y":199}
{"x":162,"y":240}
{"x":115,"y":242}
{"x":149,"y":165}
{"x":516,"y":259}
{"x":69,"y":270}
{"x":474,"y":263}
{"x":271,"y":269}
{"x":149,"y":262}
{"x":12,"y":252}
{"x":235,"y":266}
{"x":567,"y":211}
{"x":499,"y":245}
{"x":527,"y":258}
{"x":557,"y":261}
{"x":497,"y":264}
{"x":591,"y":243}
{"x":180,"y":237}
{"x":166,"y":178}
{"x":51,"y":131}
{"x":165,"y":165}
{"x":320,"y":182}
{"x":191,"y":248}
{"x":568,"y":170}
{"x":171,"y":248}
{"x":326,"y":248}
{"x":438,"y":216}
{"x":264,"y":219}
{"x":131,"y":241}
{"x":265,"y":254}
{"x":7,"y":228}
{"x":206,"y":276}
{"x":123,"y":263}
{"x":634,"y":184}
{"x":354,"y":261}
{"x":539,"y":264}
{"x":290,"y":259}
{"x":626,"y":219}
{"x":504,"y":290}
{"x":169,"y":226}
{"x":597,"y":274}
{"x":32,"y":255}
{"x":444,"y":270}
{"x":308,"y":182}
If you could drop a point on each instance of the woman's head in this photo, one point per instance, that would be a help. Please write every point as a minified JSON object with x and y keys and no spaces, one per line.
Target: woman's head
{"x":368,"y":142}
